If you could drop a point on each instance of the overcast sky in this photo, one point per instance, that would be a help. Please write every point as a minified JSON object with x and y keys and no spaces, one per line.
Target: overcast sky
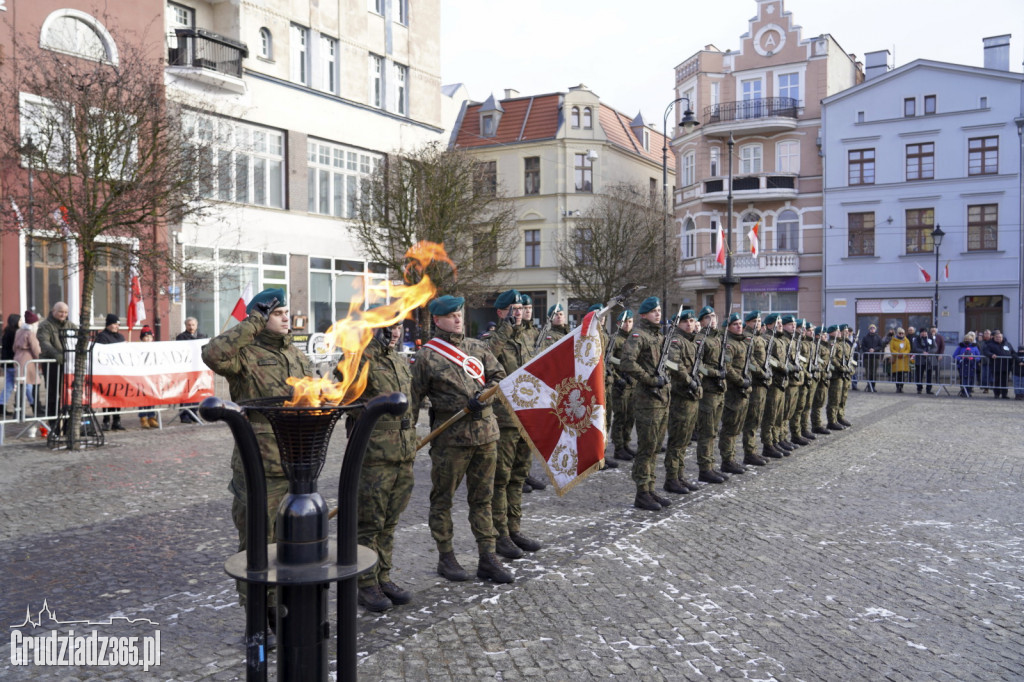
{"x":626,"y":53}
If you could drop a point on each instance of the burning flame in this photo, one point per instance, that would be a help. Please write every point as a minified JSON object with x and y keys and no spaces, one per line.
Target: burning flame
{"x":352,"y":334}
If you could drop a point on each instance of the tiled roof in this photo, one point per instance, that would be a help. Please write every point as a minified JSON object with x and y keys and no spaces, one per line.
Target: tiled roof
{"x":617,"y":127}
{"x":525,"y":119}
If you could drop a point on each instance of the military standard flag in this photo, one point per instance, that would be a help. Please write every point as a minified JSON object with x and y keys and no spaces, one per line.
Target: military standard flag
{"x":558,"y":398}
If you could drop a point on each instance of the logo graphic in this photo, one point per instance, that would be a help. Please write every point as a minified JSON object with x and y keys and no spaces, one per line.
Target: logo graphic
{"x":474,"y":367}
{"x":574,"y":405}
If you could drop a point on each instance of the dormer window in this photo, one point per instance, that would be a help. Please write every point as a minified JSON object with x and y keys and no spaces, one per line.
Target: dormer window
{"x":487,"y":125}
{"x":490,"y":117}
{"x":647,"y":139}
{"x":588,"y":118}
{"x":575,"y":119}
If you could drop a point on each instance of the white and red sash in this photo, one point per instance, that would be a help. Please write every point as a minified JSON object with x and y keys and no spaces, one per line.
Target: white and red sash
{"x":471,"y":365}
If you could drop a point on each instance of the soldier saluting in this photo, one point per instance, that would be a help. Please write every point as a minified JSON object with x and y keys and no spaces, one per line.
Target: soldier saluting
{"x":452,"y":371}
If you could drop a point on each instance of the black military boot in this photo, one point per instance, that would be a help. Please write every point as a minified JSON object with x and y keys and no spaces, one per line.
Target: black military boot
{"x":508,"y":549}
{"x":785,"y":446}
{"x":631,"y":451}
{"x":536,"y":483}
{"x":673,"y":485}
{"x":623,"y":454}
{"x":609,"y":464}
{"x":821,"y":430}
{"x":491,"y":568}
{"x":836,"y":427}
{"x":663,"y":501}
{"x":842,"y":420}
{"x":396,"y":594}
{"x":643,"y":500}
{"x":769,"y":451}
{"x":733,"y":467}
{"x":809,"y":436}
{"x":711,"y":476}
{"x":524,"y":543}
{"x":799,"y":440}
{"x":754,"y":459}
{"x":527,"y":488}
{"x":373,"y":599}
{"x":448,"y":567}
{"x":689,"y":484}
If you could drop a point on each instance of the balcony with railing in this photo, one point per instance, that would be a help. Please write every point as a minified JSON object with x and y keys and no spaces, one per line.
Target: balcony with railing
{"x":759,"y":187}
{"x":745,"y":265}
{"x":763,"y":115}
{"x":208,"y":57}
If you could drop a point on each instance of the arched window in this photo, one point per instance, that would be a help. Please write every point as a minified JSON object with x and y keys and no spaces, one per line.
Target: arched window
{"x":79,"y":34}
{"x":588,"y":118}
{"x":689,"y":238}
{"x":575,"y":119}
{"x":787,"y":231}
{"x":266,"y":43}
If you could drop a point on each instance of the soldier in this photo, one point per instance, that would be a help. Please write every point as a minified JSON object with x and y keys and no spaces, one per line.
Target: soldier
{"x":810,"y":383}
{"x":789,"y":342}
{"x":775,"y":397}
{"x":737,"y":390}
{"x":835,"y":388}
{"x":761,"y":380}
{"x":531,"y":331}
{"x":794,"y":423}
{"x":607,"y":464}
{"x":558,"y":327}
{"x":52,"y":344}
{"x":821,"y":389}
{"x":640,"y":356}
{"x":712,"y":400}
{"x":452,"y":371}
{"x":257,"y":357}
{"x":848,"y":370}
{"x":685,"y":403}
{"x":386,"y":479}
{"x":623,"y":415}
{"x":509,"y":345}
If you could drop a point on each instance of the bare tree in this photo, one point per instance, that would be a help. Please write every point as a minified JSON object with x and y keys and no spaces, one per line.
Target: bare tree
{"x":619,"y":239}
{"x":112,"y":160}
{"x":443,"y":196}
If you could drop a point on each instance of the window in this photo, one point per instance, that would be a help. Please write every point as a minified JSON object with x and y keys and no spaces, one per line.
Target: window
{"x":300,"y":54}
{"x":486,"y":181}
{"x":376,"y":6}
{"x":110,"y":286}
{"x":44,"y":123}
{"x":715,"y":156}
{"x":983,"y":227}
{"x":983,"y":103}
{"x":584,"y":173}
{"x":376,"y":81}
{"x":787,"y":156}
{"x":248,"y":161}
{"x":787,"y":231}
{"x":332,"y":285}
{"x":531,"y":175}
{"x":929,"y":105}
{"x":266,"y":44}
{"x":647,"y":139}
{"x":48,"y":285}
{"x":181,"y":16}
{"x":910,"y":107}
{"x":781,"y":302}
{"x":401,"y":89}
{"x":861,"y":228}
{"x":747,"y":222}
{"x":575,"y":117}
{"x":860,"y":117}
{"x":750,"y":159}
{"x":335,"y":176}
{"x":210,"y":296}
{"x":920,"y":223}
{"x":532,"y":242}
{"x":689,"y":169}
{"x":328,"y":64}
{"x":79,"y":34}
{"x":487,"y":127}
{"x":588,"y":118}
{"x":752,"y":102}
{"x":403,"y":11}
{"x":789,"y":88}
{"x":921,"y":161}
{"x":652,"y":189}
{"x":585,"y":246}
{"x":689,"y":238}
{"x":714,"y":237}
{"x":862,"y":166}
{"x":983,"y":155}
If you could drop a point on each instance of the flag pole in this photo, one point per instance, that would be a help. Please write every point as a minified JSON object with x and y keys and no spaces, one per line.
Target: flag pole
{"x":485,"y":395}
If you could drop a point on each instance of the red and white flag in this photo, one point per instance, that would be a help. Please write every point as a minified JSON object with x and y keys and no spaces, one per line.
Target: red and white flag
{"x":60,"y":218}
{"x":238,"y":312}
{"x":946,"y":271}
{"x":720,"y":254}
{"x":753,"y":235}
{"x":136,"y":307}
{"x":558,"y":398}
{"x":925,"y":277}
{"x":17,"y":212}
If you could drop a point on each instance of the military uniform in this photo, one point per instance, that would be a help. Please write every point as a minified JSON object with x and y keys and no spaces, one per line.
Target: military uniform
{"x":848,"y":371}
{"x":623,"y":390}
{"x":553,"y":334}
{"x":835,"y":389}
{"x":735,"y":401}
{"x":822,"y":388}
{"x":796,"y":382}
{"x":775,"y":397}
{"x":683,"y":409}
{"x":712,"y":404}
{"x":811,"y":352}
{"x":761,"y":380}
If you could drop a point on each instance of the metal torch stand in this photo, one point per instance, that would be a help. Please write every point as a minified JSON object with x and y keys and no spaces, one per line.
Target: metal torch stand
{"x":303,"y":562}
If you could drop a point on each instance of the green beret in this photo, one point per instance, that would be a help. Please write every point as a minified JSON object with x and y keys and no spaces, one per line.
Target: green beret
{"x":554,"y":309}
{"x":596,"y":306}
{"x":735,"y":317}
{"x":266,"y":296}
{"x":507,"y":298}
{"x":705,"y":311}
{"x":752,"y":315}
{"x":771,"y":318}
{"x":626,"y":314}
{"x":819,"y":330}
{"x":649,"y":304}
{"x":687,"y":314}
{"x":844,"y":327}
{"x":787,"y":319}
{"x":832,"y":328}
{"x":525,"y":299}
{"x":808,"y":324}
{"x":445,"y":305}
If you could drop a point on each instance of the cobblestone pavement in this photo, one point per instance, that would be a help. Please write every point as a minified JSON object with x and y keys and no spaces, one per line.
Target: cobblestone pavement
{"x":893,"y":550}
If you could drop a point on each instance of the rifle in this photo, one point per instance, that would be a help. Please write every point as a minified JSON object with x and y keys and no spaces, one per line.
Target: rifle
{"x":543,"y":333}
{"x":768,"y":354}
{"x":667,"y":345}
{"x":721,"y":361}
{"x":849,"y":358}
{"x":746,"y":362}
{"x":697,"y":360}
{"x":816,"y":364}
{"x":790,"y":356}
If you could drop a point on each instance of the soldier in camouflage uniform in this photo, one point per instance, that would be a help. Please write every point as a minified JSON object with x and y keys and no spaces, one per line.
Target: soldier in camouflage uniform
{"x":712,"y":402}
{"x":761,"y":380}
{"x":802,"y":359}
{"x":257,"y":357}
{"x":737,"y":391}
{"x":810,"y":383}
{"x":530,"y":330}
{"x":792,"y":333}
{"x":640,"y":356}
{"x":835,"y":388}
{"x":775,"y":397}
{"x":685,"y":402}
{"x":557,"y":329}
{"x":509,"y":345}
{"x":386,"y":479}
{"x":849,"y":369}
{"x":824,"y":376}
{"x":623,"y":415}
{"x":468,"y":448}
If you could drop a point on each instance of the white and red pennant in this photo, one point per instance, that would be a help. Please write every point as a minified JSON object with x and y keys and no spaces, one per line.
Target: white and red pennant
{"x":558,"y":398}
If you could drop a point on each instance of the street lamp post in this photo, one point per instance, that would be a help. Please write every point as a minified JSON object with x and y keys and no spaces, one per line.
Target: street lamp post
{"x":29,"y":149}
{"x":687,"y":123}
{"x":937,"y":235}
{"x":729,"y":281}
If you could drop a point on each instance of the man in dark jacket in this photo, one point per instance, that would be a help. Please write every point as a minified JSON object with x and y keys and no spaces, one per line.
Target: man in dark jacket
{"x":52,"y":343}
{"x":871,"y":347}
{"x":111,"y":334}
{"x":924,"y":348}
{"x":191,"y":333}
{"x":1000,"y":358}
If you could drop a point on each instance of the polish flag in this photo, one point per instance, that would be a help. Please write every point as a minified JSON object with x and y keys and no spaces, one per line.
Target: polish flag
{"x":720,"y":255}
{"x":136,"y":306}
{"x":946,"y":271}
{"x":239,"y":310}
{"x":925,"y":277}
{"x":755,"y":246}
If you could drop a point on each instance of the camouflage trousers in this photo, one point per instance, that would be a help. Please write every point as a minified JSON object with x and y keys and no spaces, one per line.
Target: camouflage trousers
{"x":511,"y":468}
{"x":682,"y":420}
{"x":820,"y":398}
{"x":448,"y":466}
{"x":384,"y":492}
{"x":651,"y":424}
{"x":623,"y":417}
{"x":710,"y":417}
{"x":835,"y":396}
{"x":792,"y":396}
{"x":752,"y":422}
{"x":774,"y":402}
{"x":847,"y":381}
{"x":808,"y":405}
{"x":277,"y":488}
{"x":796,"y":419}
{"x":734,"y":414}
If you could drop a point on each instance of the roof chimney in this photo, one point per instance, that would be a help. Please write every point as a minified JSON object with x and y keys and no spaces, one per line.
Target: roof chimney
{"x":511,"y":94}
{"x":997,"y":52}
{"x":876,"y":64}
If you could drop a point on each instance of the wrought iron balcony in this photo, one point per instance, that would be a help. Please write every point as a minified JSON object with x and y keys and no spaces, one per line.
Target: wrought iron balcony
{"x":201,"y":49}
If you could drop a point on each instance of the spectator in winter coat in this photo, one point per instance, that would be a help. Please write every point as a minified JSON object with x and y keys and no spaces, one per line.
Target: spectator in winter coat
{"x":871,"y":347}
{"x":984,"y":367}
{"x":7,"y":354}
{"x":924,"y":347}
{"x":111,"y":334}
{"x":899,"y":348}
{"x":26,"y":349}
{"x":966,"y":358}
{"x":1000,"y":357}
{"x":940,"y":343}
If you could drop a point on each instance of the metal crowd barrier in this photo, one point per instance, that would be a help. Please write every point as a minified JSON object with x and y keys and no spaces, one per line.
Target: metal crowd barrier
{"x":932,"y":373}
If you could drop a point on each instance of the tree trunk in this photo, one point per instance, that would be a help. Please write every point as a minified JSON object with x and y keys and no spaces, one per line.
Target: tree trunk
{"x":81,"y":350}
